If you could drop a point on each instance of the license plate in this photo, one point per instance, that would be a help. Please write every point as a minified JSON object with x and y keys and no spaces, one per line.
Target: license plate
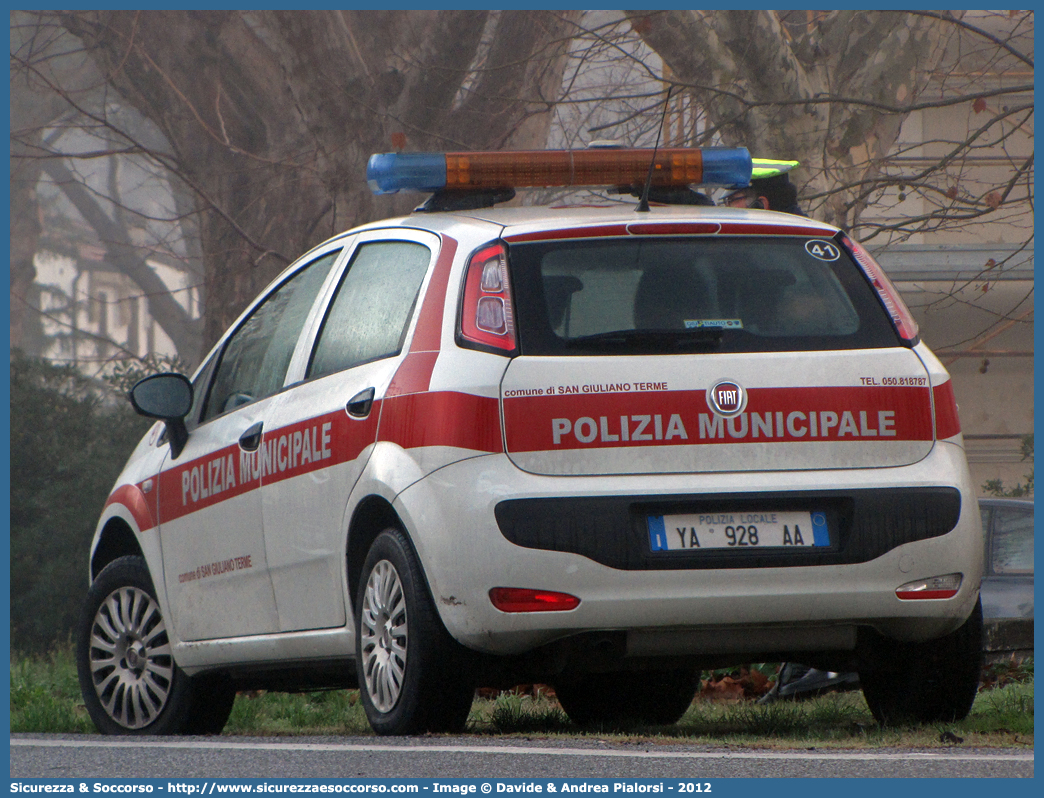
{"x":738,"y":530}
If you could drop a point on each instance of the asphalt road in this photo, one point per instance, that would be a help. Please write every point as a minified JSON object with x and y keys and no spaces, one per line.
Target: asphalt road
{"x":72,"y":756}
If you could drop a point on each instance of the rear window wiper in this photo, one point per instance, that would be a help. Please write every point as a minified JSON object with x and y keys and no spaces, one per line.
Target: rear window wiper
{"x":663,"y":340}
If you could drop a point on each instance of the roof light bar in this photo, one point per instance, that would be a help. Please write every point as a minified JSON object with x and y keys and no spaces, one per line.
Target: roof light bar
{"x":390,"y":172}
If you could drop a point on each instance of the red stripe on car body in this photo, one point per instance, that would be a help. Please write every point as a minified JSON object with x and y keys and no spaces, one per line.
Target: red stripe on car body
{"x":771,"y":415}
{"x":420,"y":419}
{"x":288,"y":452}
{"x":594,"y":231}
{"x":442,"y":418}
{"x":428,"y":335}
{"x":670,"y":228}
{"x":413,"y":374}
{"x":947,"y":422}
{"x":750,"y":229}
{"x":133,"y":499}
{"x":673,"y":228}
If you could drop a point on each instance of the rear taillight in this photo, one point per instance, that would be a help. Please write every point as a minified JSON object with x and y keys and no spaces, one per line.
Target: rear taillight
{"x":487,"y":317}
{"x":521,"y":599}
{"x":934,"y":587}
{"x":947,"y":424}
{"x":903,"y":320}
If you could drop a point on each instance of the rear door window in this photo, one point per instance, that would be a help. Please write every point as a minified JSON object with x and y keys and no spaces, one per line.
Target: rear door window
{"x":665,"y":296}
{"x":370,"y":313}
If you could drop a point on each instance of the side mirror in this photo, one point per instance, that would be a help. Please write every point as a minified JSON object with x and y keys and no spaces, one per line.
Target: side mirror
{"x":167,"y":397}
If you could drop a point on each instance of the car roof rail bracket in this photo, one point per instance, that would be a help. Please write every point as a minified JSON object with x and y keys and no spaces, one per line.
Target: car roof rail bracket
{"x":449,"y":200}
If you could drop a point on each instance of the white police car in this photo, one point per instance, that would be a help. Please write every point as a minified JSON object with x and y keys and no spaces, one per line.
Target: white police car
{"x":591,"y":447}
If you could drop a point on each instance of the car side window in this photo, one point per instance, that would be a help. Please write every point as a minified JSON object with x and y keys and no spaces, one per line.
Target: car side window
{"x":255,"y":359}
{"x":1012,"y":542}
{"x":368,"y":317}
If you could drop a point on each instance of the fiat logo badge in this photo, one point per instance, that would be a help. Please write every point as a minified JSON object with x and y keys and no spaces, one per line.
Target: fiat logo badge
{"x":727,"y":398}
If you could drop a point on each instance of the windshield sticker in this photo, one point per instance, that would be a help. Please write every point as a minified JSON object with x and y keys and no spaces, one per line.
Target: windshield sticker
{"x":721,"y":324}
{"x":822,"y":250}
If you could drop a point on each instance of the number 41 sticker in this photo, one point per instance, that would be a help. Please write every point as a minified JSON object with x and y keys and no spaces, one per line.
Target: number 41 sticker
{"x":823,"y":250}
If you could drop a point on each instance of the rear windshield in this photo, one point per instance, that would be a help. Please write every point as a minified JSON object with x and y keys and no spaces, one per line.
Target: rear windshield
{"x":668,"y":296}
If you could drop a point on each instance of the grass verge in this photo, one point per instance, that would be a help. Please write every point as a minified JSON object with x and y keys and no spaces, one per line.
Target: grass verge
{"x":45,"y":697}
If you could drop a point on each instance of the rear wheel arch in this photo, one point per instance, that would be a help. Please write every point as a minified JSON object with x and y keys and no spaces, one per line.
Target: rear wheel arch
{"x":373,"y":515}
{"x":117,"y":540}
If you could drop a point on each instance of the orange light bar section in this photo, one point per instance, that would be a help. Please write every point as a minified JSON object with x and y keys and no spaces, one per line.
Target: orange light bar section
{"x":389,"y":172}
{"x":608,"y":167}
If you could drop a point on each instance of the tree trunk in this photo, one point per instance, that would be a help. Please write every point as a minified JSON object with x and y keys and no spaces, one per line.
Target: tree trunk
{"x":51,"y":81}
{"x":271,"y":116}
{"x":25,"y":239}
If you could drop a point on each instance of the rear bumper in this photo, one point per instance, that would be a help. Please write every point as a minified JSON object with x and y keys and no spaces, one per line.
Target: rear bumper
{"x":613,"y":530}
{"x":452,"y":517}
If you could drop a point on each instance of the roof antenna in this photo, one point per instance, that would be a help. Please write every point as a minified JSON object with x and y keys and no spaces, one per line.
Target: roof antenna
{"x":643,"y":204}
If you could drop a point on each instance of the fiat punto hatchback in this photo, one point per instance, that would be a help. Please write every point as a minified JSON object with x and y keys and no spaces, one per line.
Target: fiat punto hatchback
{"x":592,"y":447}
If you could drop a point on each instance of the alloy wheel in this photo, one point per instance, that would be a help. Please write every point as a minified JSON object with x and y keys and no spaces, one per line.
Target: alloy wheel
{"x":131,"y":664}
{"x":384,"y":636}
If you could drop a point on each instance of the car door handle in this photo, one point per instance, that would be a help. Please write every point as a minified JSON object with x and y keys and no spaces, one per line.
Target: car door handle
{"x":251,"y":439}
{"x":359,"y":405}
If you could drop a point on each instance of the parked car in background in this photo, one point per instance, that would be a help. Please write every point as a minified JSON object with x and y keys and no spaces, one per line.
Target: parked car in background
{"x":1007,"y":582}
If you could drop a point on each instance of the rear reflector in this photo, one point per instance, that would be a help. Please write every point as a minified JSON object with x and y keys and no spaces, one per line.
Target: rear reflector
{"x":486,"y":316}
{"x":934,"y":587}
{"x":520,"y":599}
{"x":387,"y":173}
{"x":901,"y":317}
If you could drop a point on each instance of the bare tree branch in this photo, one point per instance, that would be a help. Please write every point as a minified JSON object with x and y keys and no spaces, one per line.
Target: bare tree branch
{"x":183,"y":330}
{"x":985,"y":34}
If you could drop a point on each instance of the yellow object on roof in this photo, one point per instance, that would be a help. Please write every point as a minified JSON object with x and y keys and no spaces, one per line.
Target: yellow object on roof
{"x":770,"y":167}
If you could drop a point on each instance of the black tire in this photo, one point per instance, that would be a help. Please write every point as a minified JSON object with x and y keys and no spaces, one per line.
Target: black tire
{"x":931,"y":682}
{"x":413,"y":677}
{"x":625,"y":698}
{"x":128,"y":677}
{"x":213,"y":695}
